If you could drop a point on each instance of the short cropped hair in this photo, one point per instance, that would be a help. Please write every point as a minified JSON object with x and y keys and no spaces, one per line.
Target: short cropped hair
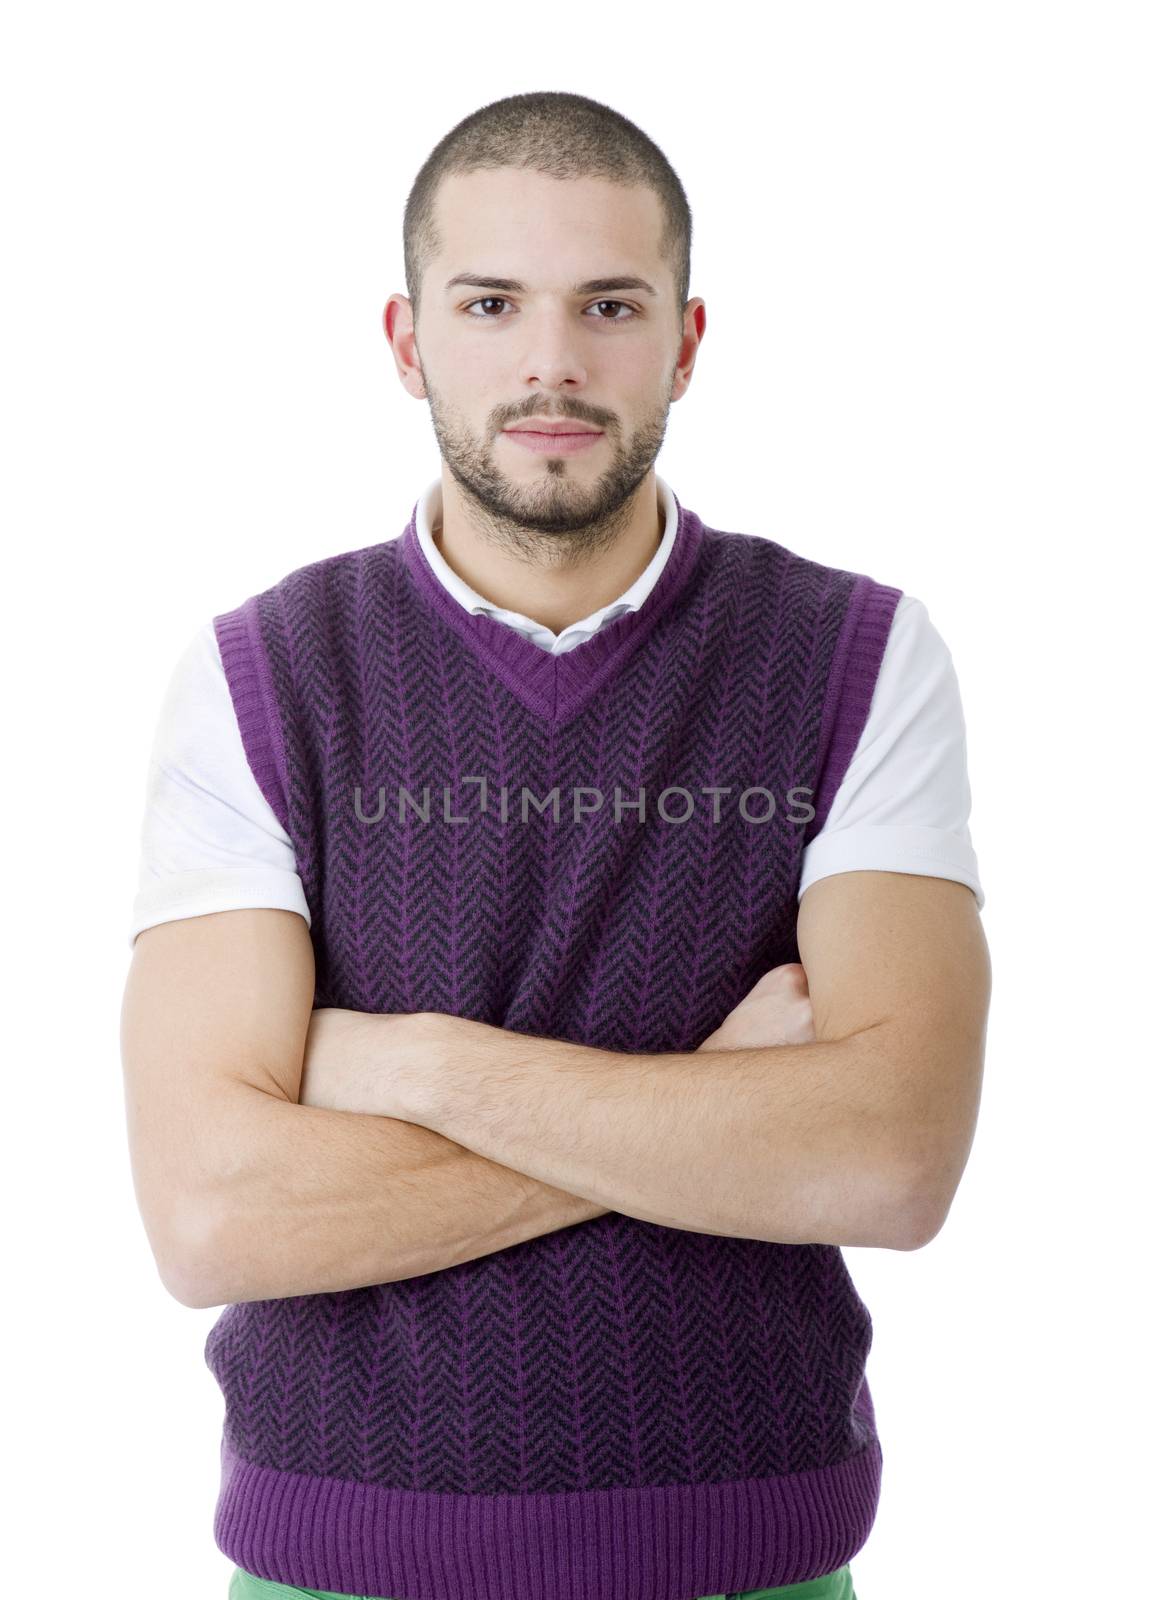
{"x":565,"y":136}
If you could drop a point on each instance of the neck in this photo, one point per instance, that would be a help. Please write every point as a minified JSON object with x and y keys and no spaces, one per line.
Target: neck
{"x":547,"y":577}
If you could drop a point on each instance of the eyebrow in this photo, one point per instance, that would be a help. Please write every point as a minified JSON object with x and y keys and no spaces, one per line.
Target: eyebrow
{"x":472,"y":280}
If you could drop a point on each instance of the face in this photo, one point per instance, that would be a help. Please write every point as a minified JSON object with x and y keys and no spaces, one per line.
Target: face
{"x":490,"y":356}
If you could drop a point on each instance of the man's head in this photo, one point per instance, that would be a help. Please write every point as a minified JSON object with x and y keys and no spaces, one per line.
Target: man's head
{"x":569,"y":234}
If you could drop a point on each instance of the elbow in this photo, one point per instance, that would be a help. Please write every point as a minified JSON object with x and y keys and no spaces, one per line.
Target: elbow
{"x":188,"y":1290}
{"x":921,"y":1228}
{"x":192,"y":1289}
{"x":922,"y":1213}
{"x":893,"y":1208}
{"x":927,"y":1176}
{"x":192,"y":1267}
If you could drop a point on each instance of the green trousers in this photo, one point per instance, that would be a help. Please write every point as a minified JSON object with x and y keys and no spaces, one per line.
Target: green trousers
{"x":835,"y":1586}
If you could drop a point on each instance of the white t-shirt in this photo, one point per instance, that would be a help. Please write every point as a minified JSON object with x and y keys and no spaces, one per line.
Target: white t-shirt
{"x":211,"y":842}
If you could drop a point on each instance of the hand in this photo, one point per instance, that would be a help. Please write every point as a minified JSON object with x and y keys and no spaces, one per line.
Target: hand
{"x":777,"y":1010}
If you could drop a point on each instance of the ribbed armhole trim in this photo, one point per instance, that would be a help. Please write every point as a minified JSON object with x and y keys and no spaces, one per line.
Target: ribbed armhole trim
{"x":854,"y":672}
{"x":252,"y":691}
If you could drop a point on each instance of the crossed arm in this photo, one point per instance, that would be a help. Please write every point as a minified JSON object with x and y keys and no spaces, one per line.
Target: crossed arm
{"x":260,"y":1168}
{"x":858,"y":1138}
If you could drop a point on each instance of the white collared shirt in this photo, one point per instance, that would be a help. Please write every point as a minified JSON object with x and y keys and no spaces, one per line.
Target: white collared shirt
{"x":428,"y":513}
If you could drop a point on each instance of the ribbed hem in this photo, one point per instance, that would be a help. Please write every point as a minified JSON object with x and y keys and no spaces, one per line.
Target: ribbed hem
{"x":557,"y":686}
{"x":854,"y":672}
{"x":248,"y":676}
{"x":619,"y":1544}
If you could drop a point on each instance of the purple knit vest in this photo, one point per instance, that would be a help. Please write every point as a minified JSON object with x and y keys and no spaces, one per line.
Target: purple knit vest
{"x":614,"y":1410}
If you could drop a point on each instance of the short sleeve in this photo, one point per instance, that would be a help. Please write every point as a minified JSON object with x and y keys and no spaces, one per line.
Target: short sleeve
{"x":903,"y":804}
{"x":209,"y":840}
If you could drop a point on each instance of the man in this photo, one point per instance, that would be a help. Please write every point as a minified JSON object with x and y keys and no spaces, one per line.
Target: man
{"x":557,"y":937}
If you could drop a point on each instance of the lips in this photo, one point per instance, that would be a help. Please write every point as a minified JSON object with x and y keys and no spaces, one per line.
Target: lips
{"x":553,"y":444}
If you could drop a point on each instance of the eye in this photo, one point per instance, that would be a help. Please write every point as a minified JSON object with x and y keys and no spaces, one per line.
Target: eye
{"x":495,"y":300}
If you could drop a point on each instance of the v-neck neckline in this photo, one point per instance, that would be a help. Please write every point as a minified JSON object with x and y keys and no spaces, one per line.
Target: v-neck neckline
{"x":557,"y":687}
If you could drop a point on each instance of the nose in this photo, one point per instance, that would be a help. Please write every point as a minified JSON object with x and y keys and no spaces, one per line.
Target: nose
{"x":552,"y":354}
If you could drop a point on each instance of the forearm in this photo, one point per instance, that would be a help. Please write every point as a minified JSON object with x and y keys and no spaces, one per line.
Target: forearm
{"x":318,"y":1201}
{"x":793,"y":1143}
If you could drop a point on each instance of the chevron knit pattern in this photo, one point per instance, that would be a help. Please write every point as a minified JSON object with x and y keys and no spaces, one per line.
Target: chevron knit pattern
{"x":616,"y":1410}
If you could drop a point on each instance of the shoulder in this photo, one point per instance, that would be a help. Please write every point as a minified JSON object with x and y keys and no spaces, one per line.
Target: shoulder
{"x":905,"y":798}
{"x":808,"y":576}
{"x":917,"y":682}
{"x":196,"y":691}
{"x":196,"y":734}
{"x":324,"y":577}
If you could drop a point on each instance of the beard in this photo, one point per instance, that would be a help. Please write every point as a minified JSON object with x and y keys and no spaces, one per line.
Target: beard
{"x":558,"y":509}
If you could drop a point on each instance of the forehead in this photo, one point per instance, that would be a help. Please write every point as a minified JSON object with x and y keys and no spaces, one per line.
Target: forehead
{"x":497,"y":219}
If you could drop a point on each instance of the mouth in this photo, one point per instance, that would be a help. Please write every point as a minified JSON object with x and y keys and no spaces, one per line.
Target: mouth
{"x":557,"y":442}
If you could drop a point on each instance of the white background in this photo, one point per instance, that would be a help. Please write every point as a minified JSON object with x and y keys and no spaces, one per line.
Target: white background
{"x":927,"y":236}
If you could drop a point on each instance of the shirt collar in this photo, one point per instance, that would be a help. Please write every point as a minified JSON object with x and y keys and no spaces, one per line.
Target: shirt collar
{"x":427,"y":513}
